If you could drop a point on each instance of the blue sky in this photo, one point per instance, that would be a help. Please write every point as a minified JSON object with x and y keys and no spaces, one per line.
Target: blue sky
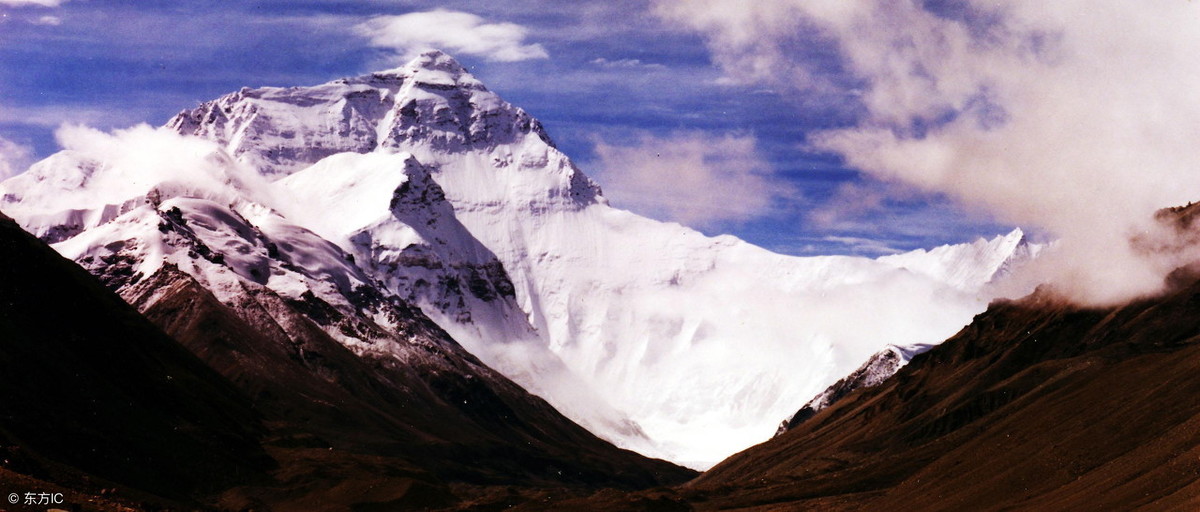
{"x":611,"y":80}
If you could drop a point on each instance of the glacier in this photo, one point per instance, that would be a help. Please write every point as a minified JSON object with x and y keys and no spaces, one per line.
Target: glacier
{"x":424,"y":184}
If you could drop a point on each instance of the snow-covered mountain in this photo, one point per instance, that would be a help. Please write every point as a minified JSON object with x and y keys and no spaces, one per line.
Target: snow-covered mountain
{"x":259,"y":391}
{"x":420,"y":184}
{"x":970,"y":266}
{"x":878,"y":368}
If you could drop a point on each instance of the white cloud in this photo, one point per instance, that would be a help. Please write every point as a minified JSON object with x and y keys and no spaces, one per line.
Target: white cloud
{"x":452,"y":31}
{"x":1079,"y":117}
{"x":852,"y":203}
{"x":14,"y":158}
{"x":142,"y":157}
{"x":40,"y":3}
{"x":52,"y":21}
{"x":53,"y":116}
{"x":626,"y":64}
{"x":691,"y":178}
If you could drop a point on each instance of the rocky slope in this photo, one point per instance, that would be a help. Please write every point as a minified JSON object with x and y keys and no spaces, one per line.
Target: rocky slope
{"x":402,"y":429}
{"x":256,"y":404}
{"x":1036,"y":405}
{"x":95,"y":396}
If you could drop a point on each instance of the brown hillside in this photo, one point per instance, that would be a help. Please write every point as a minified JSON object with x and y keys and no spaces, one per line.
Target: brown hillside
{"x":1037,"y":405}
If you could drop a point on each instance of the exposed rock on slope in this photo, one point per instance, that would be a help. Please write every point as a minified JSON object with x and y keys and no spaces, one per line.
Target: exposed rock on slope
{"x":874,"y":372}
{"x":94,"y":390}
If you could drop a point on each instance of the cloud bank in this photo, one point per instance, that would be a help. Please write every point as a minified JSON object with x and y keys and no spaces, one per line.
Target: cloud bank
{"x":1078,"y":117}
{"x":692,"y":178}
{"x":456,"y":32}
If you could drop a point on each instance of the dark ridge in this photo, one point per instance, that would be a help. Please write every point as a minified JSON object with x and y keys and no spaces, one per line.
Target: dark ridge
{"x":436,"y":422}
{"x":1037,"y":405}
{"x":93,"y":392}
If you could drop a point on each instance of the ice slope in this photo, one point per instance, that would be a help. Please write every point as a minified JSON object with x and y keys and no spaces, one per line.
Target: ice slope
{"x":288,"y":305}
{"x":421,"y":180}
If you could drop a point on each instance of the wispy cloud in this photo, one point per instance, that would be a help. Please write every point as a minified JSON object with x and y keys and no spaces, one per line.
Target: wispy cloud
{"x":851,"y":202}
{"x":626,"y":64}
{"x":452,"y":31}
{"x":14,"y":158}
{"x":696,"y":179}
{"x":1073,"y":117}
{"x":862,"y":206}
{"x":38,"y":3}
{"x":862,"y":246}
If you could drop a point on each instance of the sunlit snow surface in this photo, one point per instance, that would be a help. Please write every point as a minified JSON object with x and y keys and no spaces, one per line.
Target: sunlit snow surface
{"x":421,"y":181}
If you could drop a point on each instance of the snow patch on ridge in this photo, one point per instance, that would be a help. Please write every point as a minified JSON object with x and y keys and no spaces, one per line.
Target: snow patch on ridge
{"x":877,"y":369}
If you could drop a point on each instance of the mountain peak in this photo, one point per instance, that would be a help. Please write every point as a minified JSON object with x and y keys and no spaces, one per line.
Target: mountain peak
{"x":435,"y":60}
{"x":1018,"y":235}
{"x":432,"y":102}
{"x":435,"y":69}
